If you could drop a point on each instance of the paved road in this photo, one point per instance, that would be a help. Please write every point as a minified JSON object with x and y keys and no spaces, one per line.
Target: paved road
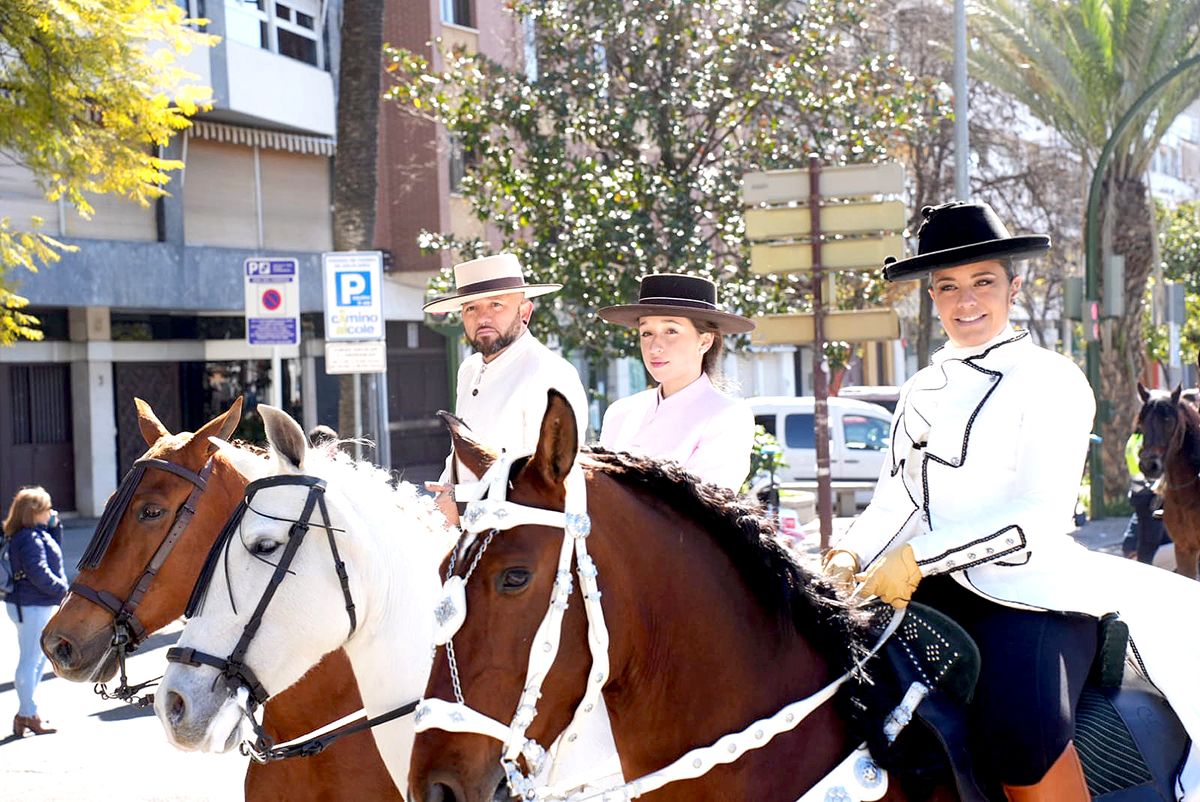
{"x":106,"y":751}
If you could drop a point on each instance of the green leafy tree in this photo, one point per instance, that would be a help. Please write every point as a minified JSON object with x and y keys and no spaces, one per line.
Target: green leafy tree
{"x":90,"y":93}
{"x":1079,"y":67}
{"x":1179,"y":249}
{"x":621,"y":151}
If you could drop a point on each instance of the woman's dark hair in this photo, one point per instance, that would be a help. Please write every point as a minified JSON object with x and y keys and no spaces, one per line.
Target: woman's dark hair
{"x":710,"y":365}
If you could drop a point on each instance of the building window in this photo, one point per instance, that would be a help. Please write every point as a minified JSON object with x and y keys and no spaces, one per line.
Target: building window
{"x":291,"y":28}
{"x":457,"y":12}
{"x":461,"y":160}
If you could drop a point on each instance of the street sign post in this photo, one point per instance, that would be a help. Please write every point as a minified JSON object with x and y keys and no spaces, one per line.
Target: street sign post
{"x":821,"y":237}
{"x":355,"y":336}
{"x":272,"y":292}
{"x":272,"y":307}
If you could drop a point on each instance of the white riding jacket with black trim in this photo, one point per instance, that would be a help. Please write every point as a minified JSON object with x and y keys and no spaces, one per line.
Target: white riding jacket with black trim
{"x":988,"y":446}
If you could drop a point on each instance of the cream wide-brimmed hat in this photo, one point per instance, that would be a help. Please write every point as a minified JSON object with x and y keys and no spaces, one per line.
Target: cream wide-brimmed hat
{"x":485,"y":277}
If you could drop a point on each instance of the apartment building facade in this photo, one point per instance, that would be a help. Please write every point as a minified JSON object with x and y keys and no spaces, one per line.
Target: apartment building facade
{"x":151,"y":304}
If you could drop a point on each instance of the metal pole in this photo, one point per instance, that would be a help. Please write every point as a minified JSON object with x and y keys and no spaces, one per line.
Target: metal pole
{"x":1092,"y":272}
{"x":820,"y":383}
{"x":962,"y":152}
{"x":384,"y":447}
{"x":358,"y":416}
{"x":276,"y":378}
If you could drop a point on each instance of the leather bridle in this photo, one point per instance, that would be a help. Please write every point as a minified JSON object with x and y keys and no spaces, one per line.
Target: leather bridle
{"x":128,"y":630}
{"x":233,"y":669}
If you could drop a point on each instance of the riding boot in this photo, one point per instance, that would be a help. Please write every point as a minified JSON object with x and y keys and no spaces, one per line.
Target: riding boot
{"x":1064,"y":782}
{"x":32,"y":723}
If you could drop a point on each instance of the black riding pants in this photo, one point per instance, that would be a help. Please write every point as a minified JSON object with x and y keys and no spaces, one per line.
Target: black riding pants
{"x":1034,"y":665}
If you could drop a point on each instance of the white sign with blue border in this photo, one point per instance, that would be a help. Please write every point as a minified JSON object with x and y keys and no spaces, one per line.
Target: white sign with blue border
{"x":272,"y":301}
{"x":353,"y":295}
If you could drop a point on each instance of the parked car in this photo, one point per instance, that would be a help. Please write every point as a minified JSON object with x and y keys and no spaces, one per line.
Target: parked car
{"x":859,"y":434}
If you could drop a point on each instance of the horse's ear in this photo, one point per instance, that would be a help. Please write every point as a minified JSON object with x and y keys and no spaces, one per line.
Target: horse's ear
{"x":558,"y":441}
{"x":1143,"y":392}
{"x":220,"y":427}
{"x":148,"y":422}
{"x":285,"y":435}
{"x":1176,"y":393}
{"x":476,"y":457}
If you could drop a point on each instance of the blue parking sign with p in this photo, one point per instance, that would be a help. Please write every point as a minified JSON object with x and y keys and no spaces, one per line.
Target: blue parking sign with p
{"x":353,"y":288}
{"x":354,"y":292}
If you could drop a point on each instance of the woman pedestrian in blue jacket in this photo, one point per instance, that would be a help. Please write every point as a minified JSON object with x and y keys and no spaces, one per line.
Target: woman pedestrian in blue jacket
{"x":40,"y":585}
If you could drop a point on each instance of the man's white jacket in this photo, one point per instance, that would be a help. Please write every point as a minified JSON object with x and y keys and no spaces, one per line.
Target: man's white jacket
{"x":503,"y":401}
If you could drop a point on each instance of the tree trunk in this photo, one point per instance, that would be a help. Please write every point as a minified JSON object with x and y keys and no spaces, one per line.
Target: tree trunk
{"x":354,"y":166}
{"x":1123,"y":350}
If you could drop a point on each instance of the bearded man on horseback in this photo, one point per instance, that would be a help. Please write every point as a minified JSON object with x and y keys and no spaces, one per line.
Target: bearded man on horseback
{"x":502,"y":386}
{"x":972,"y":516}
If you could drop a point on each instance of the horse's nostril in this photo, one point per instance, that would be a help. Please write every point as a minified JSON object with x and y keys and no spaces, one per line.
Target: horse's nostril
{"x":440,"y":793}
{"x":64,"y":653}
{"x":176,"y":708}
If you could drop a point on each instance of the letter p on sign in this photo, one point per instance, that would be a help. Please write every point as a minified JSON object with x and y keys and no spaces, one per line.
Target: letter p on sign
{"x":354,"y":289}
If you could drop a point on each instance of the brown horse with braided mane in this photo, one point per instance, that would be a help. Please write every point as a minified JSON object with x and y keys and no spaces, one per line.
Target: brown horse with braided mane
{"x":78,"y":639}
{"x":1170,"y":430}
{"x":711,"y":627}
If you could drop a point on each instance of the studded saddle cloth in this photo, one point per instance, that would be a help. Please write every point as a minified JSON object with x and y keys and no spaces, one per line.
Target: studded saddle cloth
{"x":910,"y":704}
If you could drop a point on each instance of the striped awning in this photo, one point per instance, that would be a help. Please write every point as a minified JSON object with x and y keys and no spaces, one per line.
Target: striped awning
{"x":272,"y":140}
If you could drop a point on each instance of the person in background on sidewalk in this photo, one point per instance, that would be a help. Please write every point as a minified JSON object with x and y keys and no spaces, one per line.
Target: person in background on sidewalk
{"x":40,"y":585}
{"x":1145,"y":532}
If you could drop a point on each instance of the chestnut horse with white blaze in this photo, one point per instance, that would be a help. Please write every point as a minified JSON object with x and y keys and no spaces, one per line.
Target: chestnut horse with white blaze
{"x":79,"y":638}
{"x":711,"y":627}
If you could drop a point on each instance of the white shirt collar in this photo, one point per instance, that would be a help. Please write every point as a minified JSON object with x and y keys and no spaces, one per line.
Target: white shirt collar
{"x":950,"y":351}
{"x":699,"y":387}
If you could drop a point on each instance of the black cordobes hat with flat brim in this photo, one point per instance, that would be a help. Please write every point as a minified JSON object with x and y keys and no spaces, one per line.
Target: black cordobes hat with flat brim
{"x":958,"y":234}
{"x":677,"y":295}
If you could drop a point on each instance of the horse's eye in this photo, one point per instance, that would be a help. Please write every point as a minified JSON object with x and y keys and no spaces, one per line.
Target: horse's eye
{"x":514,"y":579}
{"x":264,"y":547}
{"x":151,"y":512}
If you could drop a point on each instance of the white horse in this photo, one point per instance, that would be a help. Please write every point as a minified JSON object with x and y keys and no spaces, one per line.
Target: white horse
{"x":392,"y":542}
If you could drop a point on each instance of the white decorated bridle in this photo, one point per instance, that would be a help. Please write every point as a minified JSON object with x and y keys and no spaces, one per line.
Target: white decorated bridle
{"x":489,"y":511}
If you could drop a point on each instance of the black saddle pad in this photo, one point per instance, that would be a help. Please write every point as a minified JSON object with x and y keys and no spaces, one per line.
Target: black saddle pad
{"x":1130,"y":742}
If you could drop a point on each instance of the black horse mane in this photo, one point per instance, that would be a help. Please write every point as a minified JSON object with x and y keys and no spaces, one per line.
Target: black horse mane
{"x":800,"y":598}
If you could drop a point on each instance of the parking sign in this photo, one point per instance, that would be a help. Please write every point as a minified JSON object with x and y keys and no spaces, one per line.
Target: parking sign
{"x":353,"y":295}
{"x":272,"y":293}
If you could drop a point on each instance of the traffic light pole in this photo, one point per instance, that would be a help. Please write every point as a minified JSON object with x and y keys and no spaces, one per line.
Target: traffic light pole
{"x":1092,"y":274}
{"x":820,"y":380}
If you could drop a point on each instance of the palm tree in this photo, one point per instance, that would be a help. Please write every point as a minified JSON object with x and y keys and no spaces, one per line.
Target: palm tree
{"x":359,"y":79}
{"x":1079,"y":66}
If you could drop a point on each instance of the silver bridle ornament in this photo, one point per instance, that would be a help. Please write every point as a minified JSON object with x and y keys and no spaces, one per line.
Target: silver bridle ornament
{"x":489,"y":511}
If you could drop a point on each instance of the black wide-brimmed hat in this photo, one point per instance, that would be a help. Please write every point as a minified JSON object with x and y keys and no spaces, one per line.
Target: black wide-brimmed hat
{"x":958,"y":234}
{"x":677,"y":295}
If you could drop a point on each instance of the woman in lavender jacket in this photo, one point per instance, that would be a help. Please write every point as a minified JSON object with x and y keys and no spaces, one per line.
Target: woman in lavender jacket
{"x":685,"y":418}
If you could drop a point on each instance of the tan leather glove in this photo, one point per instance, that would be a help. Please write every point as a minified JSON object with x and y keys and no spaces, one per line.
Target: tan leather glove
{"x":893,"y":579}
{"x":840,"y":566}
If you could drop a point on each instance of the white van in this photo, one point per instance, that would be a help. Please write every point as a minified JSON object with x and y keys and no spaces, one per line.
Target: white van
{"x":859,"y":434}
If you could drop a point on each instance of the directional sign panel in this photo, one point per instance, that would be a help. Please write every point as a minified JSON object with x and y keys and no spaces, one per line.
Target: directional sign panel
{"x":857,"y":180}
{"x":846,"y":254}
{"x":353,"y":295}
{"x":791,"y":222}
{"x":860,"y":325}
{"x":272,"y":293}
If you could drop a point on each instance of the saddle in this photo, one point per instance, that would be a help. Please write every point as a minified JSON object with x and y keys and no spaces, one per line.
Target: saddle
{"x":910,"y":702}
